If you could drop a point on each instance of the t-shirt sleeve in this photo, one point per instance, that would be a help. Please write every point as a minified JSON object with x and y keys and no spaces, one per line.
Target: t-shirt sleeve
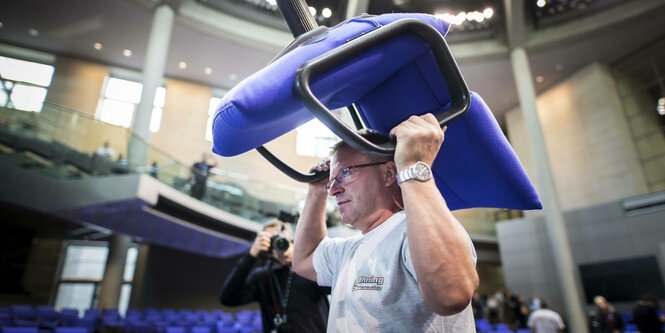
{"x":560,"y":322}
{"x":408,"y":263}
{"x":326,"y":260}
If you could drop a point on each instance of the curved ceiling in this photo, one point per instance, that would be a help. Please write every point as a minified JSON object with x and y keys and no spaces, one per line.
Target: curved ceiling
{"x":233,"y":48}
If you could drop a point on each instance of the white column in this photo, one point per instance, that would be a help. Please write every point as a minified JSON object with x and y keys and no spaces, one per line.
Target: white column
{"x":109,"y":295}
{"x":554,"y":222}
{"x":356,"y":7}
{"x":153,"y":75}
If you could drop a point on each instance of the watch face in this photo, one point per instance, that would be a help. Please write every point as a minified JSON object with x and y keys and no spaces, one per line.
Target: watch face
{"x":422,"y":171}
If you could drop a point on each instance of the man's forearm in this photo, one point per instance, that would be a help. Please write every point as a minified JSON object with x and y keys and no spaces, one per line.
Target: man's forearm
{"x":440,"y":249}
{"x":311,"y":230}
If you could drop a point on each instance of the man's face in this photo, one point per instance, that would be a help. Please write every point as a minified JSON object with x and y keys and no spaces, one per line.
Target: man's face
{"x":358,"y":199}
{"x":285,"y":258}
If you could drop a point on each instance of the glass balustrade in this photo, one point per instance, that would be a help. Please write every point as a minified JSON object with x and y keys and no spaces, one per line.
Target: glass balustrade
{"x":61,"y":143}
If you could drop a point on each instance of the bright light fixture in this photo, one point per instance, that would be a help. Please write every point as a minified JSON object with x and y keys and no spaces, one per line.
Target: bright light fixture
{"x":182,"y":65}
{"x":312,"y":10}
{"x":326,"y":12}
{"x":488,"y":12}
{"x":208,"y":70}
{"x":127,"y":53}
{"x":661,"y":106}
{"x":97,"y":46}
{"x":541,"y":3}
{"x":540,"y":79}
{"x":33,"y":32}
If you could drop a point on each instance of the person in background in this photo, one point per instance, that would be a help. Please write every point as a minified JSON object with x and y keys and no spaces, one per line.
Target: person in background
{"x":645,"y":315}
{"x":153,"y":169}
{"x":289,"y":303}
{"x":544,"y":320}
{"x":200,"y":173}
{"x":106,"y":151}
{"x":605,"y":319}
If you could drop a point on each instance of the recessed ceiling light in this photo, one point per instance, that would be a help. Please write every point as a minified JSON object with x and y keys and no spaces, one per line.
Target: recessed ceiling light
{"x":232,"y":77}
{"x":541,"y":3}
{"x":208,"y":70}
{"x":540,"y":79}
{"x":33,"y":32}
{"x":326,"y":12}
{"x":182,"y":65}
{"x":127,"y":53}
{"x":558,"y":67}
{"x":97,"y":46}
{"x":488,"y":12}
{"x":312,"y":10}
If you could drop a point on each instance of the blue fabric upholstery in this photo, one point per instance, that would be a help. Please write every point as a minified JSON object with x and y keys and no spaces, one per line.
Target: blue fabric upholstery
{"x":476,"y":166}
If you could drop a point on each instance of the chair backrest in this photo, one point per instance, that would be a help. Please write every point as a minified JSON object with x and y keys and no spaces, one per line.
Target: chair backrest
{"x":226,"y":329}
{"x":200,"y":329}
{"x":11,"y":329}
{"x":175,"y":329}
{"x":71,"y":329}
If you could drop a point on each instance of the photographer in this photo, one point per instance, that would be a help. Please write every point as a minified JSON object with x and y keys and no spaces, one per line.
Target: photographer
{"x":289,"y":303}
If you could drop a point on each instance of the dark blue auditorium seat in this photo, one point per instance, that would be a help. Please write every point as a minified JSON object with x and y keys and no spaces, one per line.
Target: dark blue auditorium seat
{"x":12,"y":329}
{"x":24,"y":315}
{"x":68,"y":317}
{"x":71,"y":329}
{"x":176,"y":329}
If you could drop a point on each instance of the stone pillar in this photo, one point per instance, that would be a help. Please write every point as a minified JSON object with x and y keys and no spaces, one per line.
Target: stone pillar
{"x":554,"y":222}
{"x":153,"y":75}
{"x":109,"y":295}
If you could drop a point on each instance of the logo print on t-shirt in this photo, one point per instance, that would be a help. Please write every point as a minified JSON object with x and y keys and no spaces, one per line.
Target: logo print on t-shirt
{"x":370,"y":282}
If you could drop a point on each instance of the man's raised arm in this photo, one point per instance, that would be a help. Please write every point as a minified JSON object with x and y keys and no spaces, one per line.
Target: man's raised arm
{"x":311,"y":227}
{"x":440,"y":249}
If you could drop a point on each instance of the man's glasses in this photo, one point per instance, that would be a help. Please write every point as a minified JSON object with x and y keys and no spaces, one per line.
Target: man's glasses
{"x":345,"y":176}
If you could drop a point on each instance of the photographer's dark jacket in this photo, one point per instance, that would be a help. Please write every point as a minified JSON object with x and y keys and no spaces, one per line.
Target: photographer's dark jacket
{"x":308,"y":305}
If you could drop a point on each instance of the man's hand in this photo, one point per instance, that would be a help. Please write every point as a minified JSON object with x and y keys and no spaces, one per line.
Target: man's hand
{"x":321,"y":166}
{"x":418,"y":139}
{"x":261,"y":244}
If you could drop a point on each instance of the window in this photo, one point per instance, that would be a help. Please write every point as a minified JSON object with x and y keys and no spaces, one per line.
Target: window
{"x":212,"y":108}
{"x":23,"y":84}
{"x":82,"y":274}
{"x":120,"y":100}
{"x":314,"y":139}
{"x":128,"y":277}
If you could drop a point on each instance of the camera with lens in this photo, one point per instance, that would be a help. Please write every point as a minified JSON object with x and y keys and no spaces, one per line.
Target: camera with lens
{"x":279,"y":242}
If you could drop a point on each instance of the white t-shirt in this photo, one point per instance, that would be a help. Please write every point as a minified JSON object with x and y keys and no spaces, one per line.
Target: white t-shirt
{"x":374,"y":286}
{"x":545,"y":321}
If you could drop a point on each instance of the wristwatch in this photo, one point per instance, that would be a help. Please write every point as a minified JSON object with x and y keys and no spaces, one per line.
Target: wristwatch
{"x":419,"y":171}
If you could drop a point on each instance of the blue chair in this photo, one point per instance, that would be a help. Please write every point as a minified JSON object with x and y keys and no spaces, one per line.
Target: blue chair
{"x":175,"y":329}
{"x":68,"y":316}
{"x":200,"y":329}
{"x":92,"y":313}
{"x":502,"y":327}
{"x":71,"y":329}
{"x":226,"y":329}
{"x":14,"y":329}
{"x":88,"y":322}
{"x":47,"y":316}
{"x":476,"y":166}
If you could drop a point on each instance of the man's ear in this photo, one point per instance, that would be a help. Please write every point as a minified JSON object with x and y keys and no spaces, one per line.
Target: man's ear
{"x":390,"y":173}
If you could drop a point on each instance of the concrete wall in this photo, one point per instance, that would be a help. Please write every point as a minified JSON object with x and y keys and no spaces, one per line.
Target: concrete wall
{"x":181,"y":280}
{"x":77,"y":85}
{"x":589,"y":144}
{"x":597,"y":234}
